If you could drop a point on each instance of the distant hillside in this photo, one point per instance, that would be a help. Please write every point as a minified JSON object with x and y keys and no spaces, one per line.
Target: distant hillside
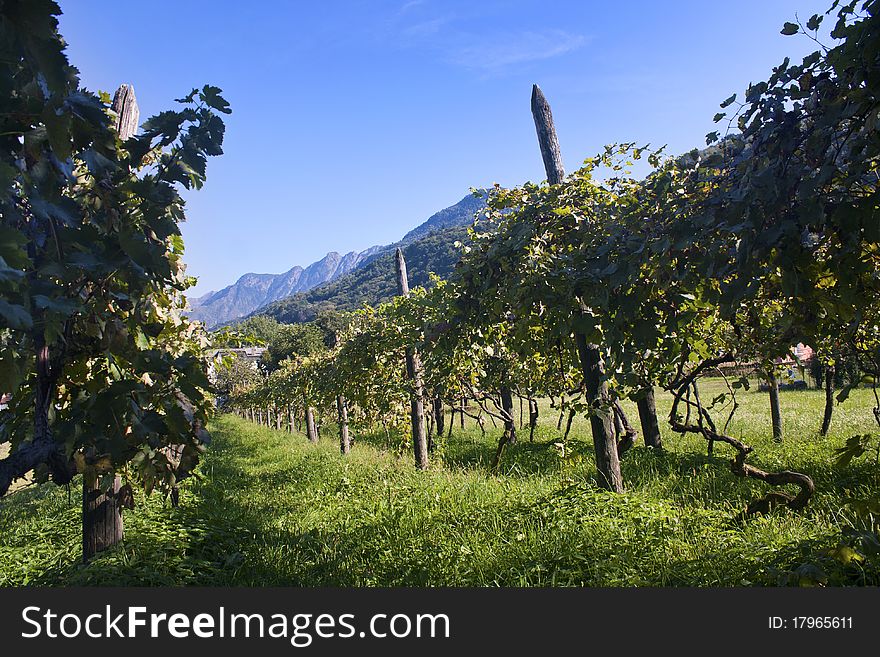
{"x":252,"y":291}
{"x":375,"y":281}
{"x":460,"y":214}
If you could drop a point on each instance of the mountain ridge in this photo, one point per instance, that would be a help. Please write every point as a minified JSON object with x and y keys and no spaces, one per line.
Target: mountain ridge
{"x":252,"y":291}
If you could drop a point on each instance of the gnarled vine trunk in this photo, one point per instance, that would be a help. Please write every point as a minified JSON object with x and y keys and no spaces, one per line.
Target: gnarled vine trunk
{"x":704,"y":426}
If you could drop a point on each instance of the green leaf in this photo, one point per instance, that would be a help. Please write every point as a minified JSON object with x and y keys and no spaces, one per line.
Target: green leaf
{"x":728,"y":101}
{"x":845,"y":554}
{"x":15,"y":316}
{"x":211,"y":97}
{"x":97,"y":164}
{"x":60,"y":305}
{"x":10,"y":370}
{"x":12,"y":247}
{"x":789,"y":28}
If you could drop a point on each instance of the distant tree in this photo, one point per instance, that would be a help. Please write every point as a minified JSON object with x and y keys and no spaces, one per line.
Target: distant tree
{"x":292,"y":341}
{"x":260,"y":329}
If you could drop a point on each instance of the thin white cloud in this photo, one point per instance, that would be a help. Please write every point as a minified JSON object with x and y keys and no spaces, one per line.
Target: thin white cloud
{"x":409,"y":5}
{"x":500,"y":52}
{"x":425,"y":28}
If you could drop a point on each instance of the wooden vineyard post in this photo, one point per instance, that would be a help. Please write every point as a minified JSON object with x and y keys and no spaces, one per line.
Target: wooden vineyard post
{"x":829,"y":400}
{"x":127,"y":112}
{"x":311,"y":429}
{"x":344,"y":437}
{"x":439,"y":416}
{"x":414,"y":372}
{"x":775,"y":411}
{"x":533,"y":418}
{"x":101,"y":518}
{"x":648,"y":418}
{"x":590,"y":355}
{"x":102,"y":525}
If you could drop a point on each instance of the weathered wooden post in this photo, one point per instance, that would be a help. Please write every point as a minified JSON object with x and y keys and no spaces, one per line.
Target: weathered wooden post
{"x":829,"y":399}
{"x":311,"y":429}
{"x":439,"y":415}
{"x":127,"y":111}
{"x":533,"y":418}
{"x":775,"y":410}
{"x":590,"y":355}
{"x":648,"y":419}
{"x":102,"y":525}
{"x":344,"y":437}
{"x":414,"y":372}
{"x":509,"y":420}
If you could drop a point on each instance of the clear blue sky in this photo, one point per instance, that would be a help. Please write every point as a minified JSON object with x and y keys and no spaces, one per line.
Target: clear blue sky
{"x":354,"y":121}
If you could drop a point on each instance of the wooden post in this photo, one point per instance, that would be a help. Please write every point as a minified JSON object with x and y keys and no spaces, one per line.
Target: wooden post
{"x":547,"y":139}
{"x":127,"y":112}
{"x":439,"y":416}
{"x":775,"y":410}
{"x":509,"y":423}
{"x":101,"y":512}
{"x":344,"y":437}
{"x":101,"y":518}
{"x":414,"y":372}
{"x":311,"y":429}
{"x":592,"y":364}
{"x":533,"y":418}
{"x":829,"y":399}
{"x":648,"y":419}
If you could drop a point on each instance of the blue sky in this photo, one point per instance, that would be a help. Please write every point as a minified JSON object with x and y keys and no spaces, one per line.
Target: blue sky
{"x":354,"y":121}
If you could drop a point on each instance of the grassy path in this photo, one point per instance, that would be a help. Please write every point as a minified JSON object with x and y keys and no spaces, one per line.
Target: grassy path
{"x":271,"y":509}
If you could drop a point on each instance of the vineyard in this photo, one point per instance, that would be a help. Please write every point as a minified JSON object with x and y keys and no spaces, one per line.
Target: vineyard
{"x":601,"y":392}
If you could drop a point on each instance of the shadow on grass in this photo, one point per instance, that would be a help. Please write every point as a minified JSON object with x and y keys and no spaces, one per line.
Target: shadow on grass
{"x":241,"y":525}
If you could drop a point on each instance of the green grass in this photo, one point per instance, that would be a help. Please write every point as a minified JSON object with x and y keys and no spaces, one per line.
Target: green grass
{"x":271,"y":509}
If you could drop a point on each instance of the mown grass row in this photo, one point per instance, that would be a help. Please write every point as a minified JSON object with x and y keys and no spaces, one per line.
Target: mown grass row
{"x":271,"y":509}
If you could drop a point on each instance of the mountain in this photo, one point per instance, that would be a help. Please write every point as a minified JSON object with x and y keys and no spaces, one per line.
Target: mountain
{"x":460,"y":214}
{"x":376,"y":280}
{"x":252,"y":291}
{"x":428,"y":248}
{"x":342,"y":281}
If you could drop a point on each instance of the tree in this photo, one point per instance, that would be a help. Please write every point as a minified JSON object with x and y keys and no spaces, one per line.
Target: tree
{"x":103,"y":369}
{"x":292,"y":341}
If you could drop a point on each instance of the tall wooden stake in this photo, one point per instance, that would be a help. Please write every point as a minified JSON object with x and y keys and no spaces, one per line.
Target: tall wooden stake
{"x":414,"y":372}
{"x":344,"y":437}
{"x":592,"y":364}
{"x":775,"y":411}
{"x":102,"y":525}
{"x":648,"y":417}
{"x":127,"y":112}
